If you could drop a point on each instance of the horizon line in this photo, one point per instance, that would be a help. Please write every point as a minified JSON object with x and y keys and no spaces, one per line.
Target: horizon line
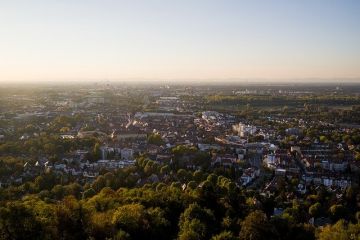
{"x":154,"y":79}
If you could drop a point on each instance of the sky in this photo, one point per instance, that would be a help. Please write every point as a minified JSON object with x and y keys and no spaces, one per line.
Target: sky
{"x":67,"y":40}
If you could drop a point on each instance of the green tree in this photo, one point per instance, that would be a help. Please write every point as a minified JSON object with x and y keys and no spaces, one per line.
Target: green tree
{"x":89,"y":193}
{"x":165,"y":170}
{"x":196,"y":223}
{"x":339,"y":231}
{"x":192,"y":230}
{"x":156,"y":139}
{"x":70,"y":219}
{"x":315,"y":210}
{"x":158,"y":223}
{"x":122,"y":235}
{"x":337,"y":212}
{"x":226,"y":235}
{"x":58,"y":192}
{"x":96,"y":151}
{"x":129,"y":217}
{"x":18,"y":222}
{"x":256,"y":227}
{"x":182,"y":175}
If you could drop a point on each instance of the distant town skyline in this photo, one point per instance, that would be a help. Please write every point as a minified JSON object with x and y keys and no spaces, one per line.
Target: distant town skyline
{"x":177,"y":40}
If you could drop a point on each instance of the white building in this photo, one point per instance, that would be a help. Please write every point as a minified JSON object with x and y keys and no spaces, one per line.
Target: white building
{"x":211,"y":116}
{"x":270,"y":160}
{"x":127,"y":153}
{"x":244,"y":130}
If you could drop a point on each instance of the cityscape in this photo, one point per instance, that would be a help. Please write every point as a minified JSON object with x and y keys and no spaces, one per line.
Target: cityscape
{"x":291,"y":152}
{"x":180,"y":120}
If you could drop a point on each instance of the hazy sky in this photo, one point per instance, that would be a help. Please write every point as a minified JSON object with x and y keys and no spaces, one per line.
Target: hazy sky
{"x":103,"y":39}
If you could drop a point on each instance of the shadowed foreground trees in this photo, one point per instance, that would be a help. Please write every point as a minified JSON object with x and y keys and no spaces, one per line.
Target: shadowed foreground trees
{"x":203,"y":206}
{"x":255,"y":226}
